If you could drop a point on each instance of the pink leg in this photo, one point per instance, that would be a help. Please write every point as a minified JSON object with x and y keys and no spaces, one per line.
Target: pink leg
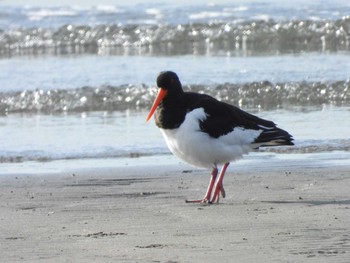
{"x":207,"y":196}
{"x":219,"y":188}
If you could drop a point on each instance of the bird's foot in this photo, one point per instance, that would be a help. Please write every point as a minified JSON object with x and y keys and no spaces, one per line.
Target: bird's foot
{"x":205,"y":200}
{"x":218,"y":189}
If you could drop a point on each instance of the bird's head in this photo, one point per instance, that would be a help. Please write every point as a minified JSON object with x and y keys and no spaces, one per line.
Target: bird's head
{"x":167,"y":82}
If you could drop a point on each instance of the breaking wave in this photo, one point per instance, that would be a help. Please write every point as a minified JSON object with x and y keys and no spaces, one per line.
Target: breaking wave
{"x":260,"y":95}
{"x":232,"y":38}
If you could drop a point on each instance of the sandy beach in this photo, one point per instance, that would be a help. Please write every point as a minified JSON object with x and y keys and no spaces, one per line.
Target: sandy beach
{"x":139,"y":215}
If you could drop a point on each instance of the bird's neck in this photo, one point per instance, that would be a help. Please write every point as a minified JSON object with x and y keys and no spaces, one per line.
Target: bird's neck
{"x":171,"y":111}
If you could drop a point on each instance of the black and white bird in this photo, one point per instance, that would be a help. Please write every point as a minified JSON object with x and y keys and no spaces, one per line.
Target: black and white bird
{"x":205,"y":132}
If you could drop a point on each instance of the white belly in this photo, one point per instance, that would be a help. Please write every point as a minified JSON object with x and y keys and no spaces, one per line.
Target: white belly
{"x":195,"y":147}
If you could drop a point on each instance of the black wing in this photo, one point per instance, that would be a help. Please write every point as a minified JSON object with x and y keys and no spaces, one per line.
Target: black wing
{"x":223,"y":118}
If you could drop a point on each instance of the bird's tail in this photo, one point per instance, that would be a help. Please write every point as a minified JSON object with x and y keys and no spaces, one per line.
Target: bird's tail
{"x":273,"y":137}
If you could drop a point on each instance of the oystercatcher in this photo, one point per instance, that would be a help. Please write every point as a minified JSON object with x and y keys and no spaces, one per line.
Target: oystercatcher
{"x":205,"y":132}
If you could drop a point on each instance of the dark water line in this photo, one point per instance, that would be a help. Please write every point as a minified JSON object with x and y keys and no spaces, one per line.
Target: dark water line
{"x":319,"y":147}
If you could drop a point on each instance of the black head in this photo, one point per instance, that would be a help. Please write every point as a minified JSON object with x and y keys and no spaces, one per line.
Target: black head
{"x":168,"y":80}
{"x":170,"y":89}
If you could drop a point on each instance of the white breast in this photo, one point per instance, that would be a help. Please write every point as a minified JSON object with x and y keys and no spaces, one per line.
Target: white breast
{"x":195,"y":147}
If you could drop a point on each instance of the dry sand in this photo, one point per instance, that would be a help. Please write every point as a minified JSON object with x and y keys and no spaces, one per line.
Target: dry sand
{"x":139,"y":215}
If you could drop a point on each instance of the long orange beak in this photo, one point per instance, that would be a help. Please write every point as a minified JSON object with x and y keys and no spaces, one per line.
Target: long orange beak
{"x":159,"y":98}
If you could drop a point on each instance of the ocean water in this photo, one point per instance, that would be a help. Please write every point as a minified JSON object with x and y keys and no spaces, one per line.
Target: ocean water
{"x":76,"y":81}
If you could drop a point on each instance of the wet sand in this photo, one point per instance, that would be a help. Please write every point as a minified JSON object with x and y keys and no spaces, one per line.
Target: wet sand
{"x":140,"y":215}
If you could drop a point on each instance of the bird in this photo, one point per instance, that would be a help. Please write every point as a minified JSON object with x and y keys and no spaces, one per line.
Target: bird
{"x":207,"y":133}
